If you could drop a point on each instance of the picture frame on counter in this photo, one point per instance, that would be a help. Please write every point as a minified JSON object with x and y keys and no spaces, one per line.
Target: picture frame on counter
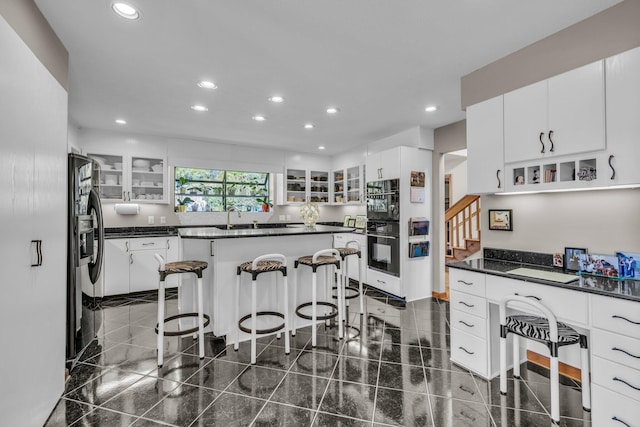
{"x":346,"y":221}
{"x":352,"y":223}
{"x":361,"y":221}
{"x":572,"y":258}
{"x":501,"y":219}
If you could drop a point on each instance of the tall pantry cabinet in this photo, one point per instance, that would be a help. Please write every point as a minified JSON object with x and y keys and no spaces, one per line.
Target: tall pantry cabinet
{"x":33,"y":165}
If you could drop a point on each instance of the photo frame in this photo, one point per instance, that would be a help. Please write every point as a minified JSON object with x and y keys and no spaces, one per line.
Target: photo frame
{"x":501,"y":219}
{"x":352,"y":222}
{"x":572,"y":258}
{"x":417,"y":179}
{"x":346,"y":220}
{"x":361,"y":221}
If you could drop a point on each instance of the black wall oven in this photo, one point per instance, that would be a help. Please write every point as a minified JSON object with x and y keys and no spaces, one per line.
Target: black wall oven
{"x":383,"y":200}
{"x":383,"y":244}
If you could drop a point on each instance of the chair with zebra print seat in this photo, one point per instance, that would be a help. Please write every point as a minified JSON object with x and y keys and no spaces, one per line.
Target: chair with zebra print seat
{"x":546,"y":329}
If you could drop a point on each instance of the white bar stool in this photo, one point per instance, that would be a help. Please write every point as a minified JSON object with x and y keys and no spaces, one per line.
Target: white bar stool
{"x":262,"y":264}
{"x":328,"y":258}
{"x":546,"y":330}
{"x":344,"y":278}
{"x":166,"y":269}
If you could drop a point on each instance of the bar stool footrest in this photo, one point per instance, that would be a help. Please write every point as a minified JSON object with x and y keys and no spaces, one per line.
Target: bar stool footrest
{"x":355,"y":294}
{"x":206,"y":318}
{"x":331,"y":315}
{"x":262,"y":331}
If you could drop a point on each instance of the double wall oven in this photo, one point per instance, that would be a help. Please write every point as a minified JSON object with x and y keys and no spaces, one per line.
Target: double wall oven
{"x":383,"y":226}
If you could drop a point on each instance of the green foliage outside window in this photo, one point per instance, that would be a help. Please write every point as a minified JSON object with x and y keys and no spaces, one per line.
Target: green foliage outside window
{"x":215,"y":190}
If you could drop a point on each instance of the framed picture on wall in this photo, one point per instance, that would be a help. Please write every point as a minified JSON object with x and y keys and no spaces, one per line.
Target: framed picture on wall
{"x":500,"y":219}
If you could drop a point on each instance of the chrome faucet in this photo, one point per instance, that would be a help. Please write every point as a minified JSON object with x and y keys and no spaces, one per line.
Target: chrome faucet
{"x":229,"y":210}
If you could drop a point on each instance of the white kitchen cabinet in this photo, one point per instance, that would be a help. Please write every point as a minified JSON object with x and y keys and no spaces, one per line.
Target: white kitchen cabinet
{"x":485,"y":147}
{"x":130,"y":264}
{"x":301,"y":185}
{"x":340,"y":240}
{"x":347,"y":186}
{"x":33,"y":172}
{"x":559,"y":116}
{"x":383,"y":165}
{"x":136,"y":178}
{"x":615,"y":360}
{"x":115,"y":277}
{"x":623,"y":111}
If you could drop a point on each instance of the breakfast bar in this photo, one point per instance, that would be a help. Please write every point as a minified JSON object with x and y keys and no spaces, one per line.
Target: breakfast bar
{"x":224,"y":250}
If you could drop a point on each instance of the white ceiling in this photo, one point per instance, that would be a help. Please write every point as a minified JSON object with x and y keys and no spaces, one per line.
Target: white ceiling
{"x":380,"y":61}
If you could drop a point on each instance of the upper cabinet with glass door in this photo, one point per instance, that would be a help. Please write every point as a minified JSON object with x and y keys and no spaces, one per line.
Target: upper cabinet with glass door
{"x":303,"y":185}
{"x":347,"y":186}
{"x":135,"y":178}
{"x":111,"y":177}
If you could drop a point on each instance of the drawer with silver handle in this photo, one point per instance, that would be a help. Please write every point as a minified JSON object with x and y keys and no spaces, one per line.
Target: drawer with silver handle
{"x":613,"y":409}
{"x":467,"y":281}
{"x":616,"y":315}
{"x":470,"y":352}
{"x":615,"y":347}
{"x":616,"y":377}
{"x":469,"y":323}
{"x":471,"y":304}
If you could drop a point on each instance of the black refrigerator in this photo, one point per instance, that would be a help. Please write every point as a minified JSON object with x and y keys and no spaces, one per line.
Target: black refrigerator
{"x":84,"y":255}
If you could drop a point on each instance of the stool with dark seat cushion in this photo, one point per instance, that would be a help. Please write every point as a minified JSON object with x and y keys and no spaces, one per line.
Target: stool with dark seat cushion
{"x":344,"y":253}
{"x":323,"y":258}
{"x":263,"y":264}
{"x":179,"y":267}
{"x":547,"y":330}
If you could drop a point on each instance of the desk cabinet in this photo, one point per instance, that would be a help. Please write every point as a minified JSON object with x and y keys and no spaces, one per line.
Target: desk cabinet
{"x":615,"y":360}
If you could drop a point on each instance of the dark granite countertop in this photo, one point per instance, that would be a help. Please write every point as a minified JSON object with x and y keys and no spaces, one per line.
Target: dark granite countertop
{"x":128,"y":232}
{"x":625,"y":289}
{"x":218,"y":233}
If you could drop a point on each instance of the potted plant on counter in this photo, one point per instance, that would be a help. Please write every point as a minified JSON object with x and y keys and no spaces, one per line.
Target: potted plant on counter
{"x":182,"y":204}
{"x":266,"y":203}
{"x":182,"y":184}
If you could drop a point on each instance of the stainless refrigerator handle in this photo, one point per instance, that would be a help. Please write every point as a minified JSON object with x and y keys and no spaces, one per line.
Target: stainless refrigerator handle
{"x":95,"y":267}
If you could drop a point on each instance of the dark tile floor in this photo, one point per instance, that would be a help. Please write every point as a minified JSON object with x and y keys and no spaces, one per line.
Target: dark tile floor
{"x":394,"y":370}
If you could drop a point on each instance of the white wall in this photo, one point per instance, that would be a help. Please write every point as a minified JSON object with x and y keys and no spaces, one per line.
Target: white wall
{"x":458,"y":180}
{"x":601,"y":221}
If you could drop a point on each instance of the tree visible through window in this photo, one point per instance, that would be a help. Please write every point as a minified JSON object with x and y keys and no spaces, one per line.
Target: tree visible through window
{"x":215,"y":190}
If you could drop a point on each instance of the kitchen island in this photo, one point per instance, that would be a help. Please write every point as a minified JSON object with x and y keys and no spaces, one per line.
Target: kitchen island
{"x":224,"y":250}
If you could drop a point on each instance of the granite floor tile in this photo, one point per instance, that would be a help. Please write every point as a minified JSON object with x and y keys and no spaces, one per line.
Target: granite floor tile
{"x":217,"y":374}
{"x":141,"y":396}
{"x":274,"y":357}
{"x":275,"y":415}
{"x":402,"y":377}
{"x":182,"y":405}
{"x":300,"y":390}
{"x":101,"y":389}
{"x":402,"y":408}
{"x":256,"y":381}
{"x":458,"y":384}
{"x":399,"y":353}
{"x":82,"y":374}
{"x":67,"y":412}
{"x":230,"y":410}
{"x":349,"y":399}
{"x":105,"y":417}
{"x":324,"y":419}
{"x":449,"y":412}
{"x":317,"y":363}
{"x":180,"y":367}
{"x":519,"y":395}
{"x":357,"y":370}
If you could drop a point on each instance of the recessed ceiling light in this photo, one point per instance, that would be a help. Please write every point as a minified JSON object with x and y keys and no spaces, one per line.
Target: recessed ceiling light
{"x":199,"y":108}
{"x":121,"y":121}
{"x":332,"y":110}
{"x":431,"y":108}
{"x":308,"y":126}
{"x":320,"y":147}
{"x":276,"y":99}
{"x":259,"y":118}
{"x":205,"y":84}
{"x":126,"y":11}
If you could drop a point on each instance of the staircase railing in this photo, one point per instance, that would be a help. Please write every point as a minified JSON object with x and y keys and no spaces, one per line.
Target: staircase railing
{"x":462,"y":221}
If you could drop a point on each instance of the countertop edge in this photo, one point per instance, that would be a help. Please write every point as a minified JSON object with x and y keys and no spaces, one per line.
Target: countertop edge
{"x":548,"y":283}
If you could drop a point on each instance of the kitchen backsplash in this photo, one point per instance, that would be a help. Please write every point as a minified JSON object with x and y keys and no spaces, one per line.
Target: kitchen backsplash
{"x":533,"y":258}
